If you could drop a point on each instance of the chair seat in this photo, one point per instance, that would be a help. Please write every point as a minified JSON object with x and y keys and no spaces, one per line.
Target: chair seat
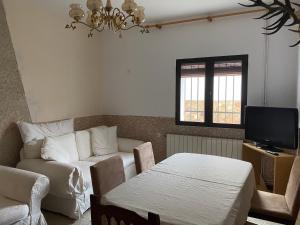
{"x":12,"y":211}
{"x":270,"y":204}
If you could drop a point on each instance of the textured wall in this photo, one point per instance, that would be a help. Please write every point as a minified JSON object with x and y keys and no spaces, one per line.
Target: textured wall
{"x":153,"y":129}
{"x":13,"y":106}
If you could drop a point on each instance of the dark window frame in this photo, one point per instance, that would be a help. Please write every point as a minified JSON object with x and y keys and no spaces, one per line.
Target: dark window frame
{"x":209,"y":87}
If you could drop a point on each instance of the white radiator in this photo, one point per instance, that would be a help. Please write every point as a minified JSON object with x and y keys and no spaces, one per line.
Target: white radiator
{"x":231,"y":148}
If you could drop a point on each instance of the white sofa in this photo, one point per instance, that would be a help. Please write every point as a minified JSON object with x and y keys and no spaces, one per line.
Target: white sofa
{"x":70,"y":183}
{"x":21,"y":193}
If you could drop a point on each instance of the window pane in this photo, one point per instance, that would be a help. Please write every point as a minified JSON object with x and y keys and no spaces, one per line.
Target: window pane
{"x":192,"y":92}
{"x":227,"y":105}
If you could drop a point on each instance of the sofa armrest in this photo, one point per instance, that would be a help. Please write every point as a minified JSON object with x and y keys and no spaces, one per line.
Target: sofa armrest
{"x":127,"y":145}
{"x":24,"y":186}
{"x":66,"y":180}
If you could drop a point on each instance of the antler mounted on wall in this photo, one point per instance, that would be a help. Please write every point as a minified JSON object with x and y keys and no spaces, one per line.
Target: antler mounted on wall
{"x":284,"y":12}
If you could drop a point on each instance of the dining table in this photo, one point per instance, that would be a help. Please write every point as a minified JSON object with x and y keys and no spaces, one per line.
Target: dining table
{"x":190,"y":189}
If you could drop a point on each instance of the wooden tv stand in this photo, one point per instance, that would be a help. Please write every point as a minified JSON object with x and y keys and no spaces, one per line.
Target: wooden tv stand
{"x":282,"y":166}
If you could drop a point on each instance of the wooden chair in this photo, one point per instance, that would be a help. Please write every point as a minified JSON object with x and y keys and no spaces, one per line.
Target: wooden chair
{"x":106,"y":175}
{"x":249,"y":223}
{"x":279,"y":208}
{"x":118,"y":214}
{"x":144,"y":157}
{"x":298,"y":219}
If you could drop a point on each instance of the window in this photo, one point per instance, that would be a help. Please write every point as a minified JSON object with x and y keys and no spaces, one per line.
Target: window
{"x":211,"y":91}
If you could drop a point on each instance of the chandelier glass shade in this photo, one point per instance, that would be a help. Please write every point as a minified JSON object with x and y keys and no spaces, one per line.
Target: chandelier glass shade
{"x":100,"y":17}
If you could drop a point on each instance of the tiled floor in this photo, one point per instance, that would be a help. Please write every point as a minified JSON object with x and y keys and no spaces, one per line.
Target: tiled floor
{"x":56,"y":219}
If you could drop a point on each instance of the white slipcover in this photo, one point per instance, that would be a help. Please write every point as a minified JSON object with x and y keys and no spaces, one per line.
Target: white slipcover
{"x":70,"y":183}
{"x":66,"y":179}
{"x":12,"y":211}
{"x":20,"y":197}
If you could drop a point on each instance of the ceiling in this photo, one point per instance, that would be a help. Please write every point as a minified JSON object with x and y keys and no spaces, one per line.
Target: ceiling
{"x":162,"y":10}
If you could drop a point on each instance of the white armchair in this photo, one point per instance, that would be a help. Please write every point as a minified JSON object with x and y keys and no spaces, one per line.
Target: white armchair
{"x":21,"y":193}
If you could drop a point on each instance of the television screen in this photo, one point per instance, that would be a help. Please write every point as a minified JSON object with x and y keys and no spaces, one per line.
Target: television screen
{"x":277,"y":127}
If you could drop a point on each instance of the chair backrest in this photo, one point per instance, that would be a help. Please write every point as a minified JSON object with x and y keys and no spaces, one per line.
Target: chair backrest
{"x":298,"y":219}
{"x":144,"y":157}
{"x":292,"y":195}
{"x":119,"y":215}
{"x":107,"y":174}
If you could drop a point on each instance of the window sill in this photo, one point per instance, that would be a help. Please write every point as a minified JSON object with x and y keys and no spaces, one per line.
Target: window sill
{"x":215,"y":125}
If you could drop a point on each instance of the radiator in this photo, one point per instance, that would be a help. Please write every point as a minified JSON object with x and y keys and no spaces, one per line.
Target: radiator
{"x":231,"y":148}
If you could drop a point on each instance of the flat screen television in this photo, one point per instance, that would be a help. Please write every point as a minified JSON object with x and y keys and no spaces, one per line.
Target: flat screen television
{"x":272,"y":128}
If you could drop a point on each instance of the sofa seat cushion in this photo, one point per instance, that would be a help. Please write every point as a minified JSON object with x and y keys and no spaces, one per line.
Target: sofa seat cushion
{"x":12,"y":211}
{"x":270,"y":204}
{"x":127,"y":158}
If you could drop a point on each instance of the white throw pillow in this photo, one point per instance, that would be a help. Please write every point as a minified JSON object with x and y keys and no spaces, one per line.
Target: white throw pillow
{"x":83,"y":141}
{"x":104,"y":140}
{"x":38,"y":131}
{"x":61,"y":148}
{"x":32,"y":149}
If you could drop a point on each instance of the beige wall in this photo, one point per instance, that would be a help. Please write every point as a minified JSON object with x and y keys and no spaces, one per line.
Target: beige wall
{"x":143,"y":83}
{"x":65,"y":74}
{"x":59,"y":68}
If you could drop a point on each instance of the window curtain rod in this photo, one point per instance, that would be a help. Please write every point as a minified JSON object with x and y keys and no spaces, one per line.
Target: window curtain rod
{"x":208,"y":18}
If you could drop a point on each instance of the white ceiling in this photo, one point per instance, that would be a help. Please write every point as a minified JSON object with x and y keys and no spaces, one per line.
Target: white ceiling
{"x":162,"y":10}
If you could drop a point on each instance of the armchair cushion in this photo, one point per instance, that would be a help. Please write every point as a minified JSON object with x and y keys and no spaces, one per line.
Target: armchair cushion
{"x":270,"y":204}
{"x":26,"y":188}
{"x":12,"y":211}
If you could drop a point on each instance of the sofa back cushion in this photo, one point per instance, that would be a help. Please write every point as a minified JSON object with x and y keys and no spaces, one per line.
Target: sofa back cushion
{"x":32,"y":149}
{"x":34,"y":134}
{"x":61,"y":149}
{"x":127,"y":145}
{"x":83,"y":140}
{"x":38,"y":131}
{"x":104,"y":140}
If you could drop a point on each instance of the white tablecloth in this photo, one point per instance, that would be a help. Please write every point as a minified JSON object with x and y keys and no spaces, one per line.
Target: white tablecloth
{"x":190,"y":189}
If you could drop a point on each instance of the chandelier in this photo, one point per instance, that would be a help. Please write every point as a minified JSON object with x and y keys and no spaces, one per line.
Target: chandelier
{"x":100,"y":17}
{"x":284,"y":12}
